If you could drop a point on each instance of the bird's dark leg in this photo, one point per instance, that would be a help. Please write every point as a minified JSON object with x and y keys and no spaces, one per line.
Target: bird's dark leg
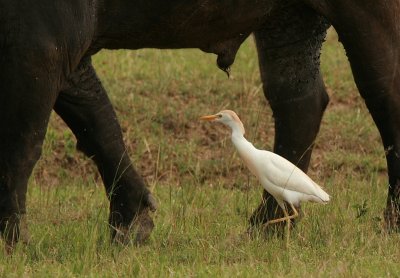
{"x":286,"y":217}
{"x":288,"y":47}
{"x":296,"y":214}
{"x":288,"y":226}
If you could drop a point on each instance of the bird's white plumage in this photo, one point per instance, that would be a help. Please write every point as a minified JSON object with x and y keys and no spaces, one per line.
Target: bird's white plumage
{"x":281,"y":178}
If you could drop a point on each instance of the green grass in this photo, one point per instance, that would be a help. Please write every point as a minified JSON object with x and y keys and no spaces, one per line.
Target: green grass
{"x":205,"y":193}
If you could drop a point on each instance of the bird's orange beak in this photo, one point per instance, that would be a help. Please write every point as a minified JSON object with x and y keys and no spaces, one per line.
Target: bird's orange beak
{"x":209,"y":118}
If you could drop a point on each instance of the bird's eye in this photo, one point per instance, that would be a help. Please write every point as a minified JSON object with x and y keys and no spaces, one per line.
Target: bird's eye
{"x":219,"y":115}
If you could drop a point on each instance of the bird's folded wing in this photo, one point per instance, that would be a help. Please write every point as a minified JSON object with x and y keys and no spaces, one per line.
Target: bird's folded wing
{"x":282,"y":173}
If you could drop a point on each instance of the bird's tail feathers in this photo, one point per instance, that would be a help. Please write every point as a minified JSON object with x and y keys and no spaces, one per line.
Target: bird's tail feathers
{"x":322,"y":195}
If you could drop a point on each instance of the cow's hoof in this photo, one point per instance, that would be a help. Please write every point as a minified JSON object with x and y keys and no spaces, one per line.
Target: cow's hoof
{"x":140,"y":228}
{"x":143,"y":226}
{"x":137,"y":233}
{"x":24,"y":234}
{"x":392,"y":219}
{"x":17,"y":231}
{"x":268,"y":231}
{"x":152,"y":203}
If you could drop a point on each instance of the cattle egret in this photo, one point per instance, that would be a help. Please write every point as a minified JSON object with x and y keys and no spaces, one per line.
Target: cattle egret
{"x":281,"y":178}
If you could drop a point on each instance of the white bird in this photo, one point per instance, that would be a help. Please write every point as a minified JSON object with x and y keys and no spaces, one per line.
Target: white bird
{"x":281,"y":178}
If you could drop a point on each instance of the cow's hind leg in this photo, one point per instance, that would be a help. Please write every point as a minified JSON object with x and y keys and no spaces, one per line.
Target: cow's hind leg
{"x":86,"y":109}
{"x":370,"y":35}
{"x":28,"y":88}
{"x":288,"y":47}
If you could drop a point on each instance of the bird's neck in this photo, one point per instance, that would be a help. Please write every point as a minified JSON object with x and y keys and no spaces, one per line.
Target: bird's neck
{"x":238,"y":135}
{"x":241,"y":143}
{"x":237,"y":129}
{"x":245,"y":149}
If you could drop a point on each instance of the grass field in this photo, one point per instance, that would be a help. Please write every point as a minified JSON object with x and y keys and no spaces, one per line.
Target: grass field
{"x":205,"y":193}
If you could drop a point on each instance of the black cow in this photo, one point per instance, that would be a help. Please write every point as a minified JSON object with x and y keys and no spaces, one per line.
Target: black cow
{"x":45,"y":50}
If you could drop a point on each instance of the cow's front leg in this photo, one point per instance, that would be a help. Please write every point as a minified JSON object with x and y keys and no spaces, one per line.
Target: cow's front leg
{"x":87,"y":110}
{"x":29,"y":83}
{"x":370,"y":35}
{"x":288,"y":48}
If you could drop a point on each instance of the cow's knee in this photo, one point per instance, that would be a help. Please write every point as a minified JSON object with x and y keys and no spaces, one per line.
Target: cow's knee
{"x":289,"y":55}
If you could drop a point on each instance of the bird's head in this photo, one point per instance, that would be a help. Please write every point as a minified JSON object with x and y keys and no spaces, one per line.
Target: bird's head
{"x":227,"y":117}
